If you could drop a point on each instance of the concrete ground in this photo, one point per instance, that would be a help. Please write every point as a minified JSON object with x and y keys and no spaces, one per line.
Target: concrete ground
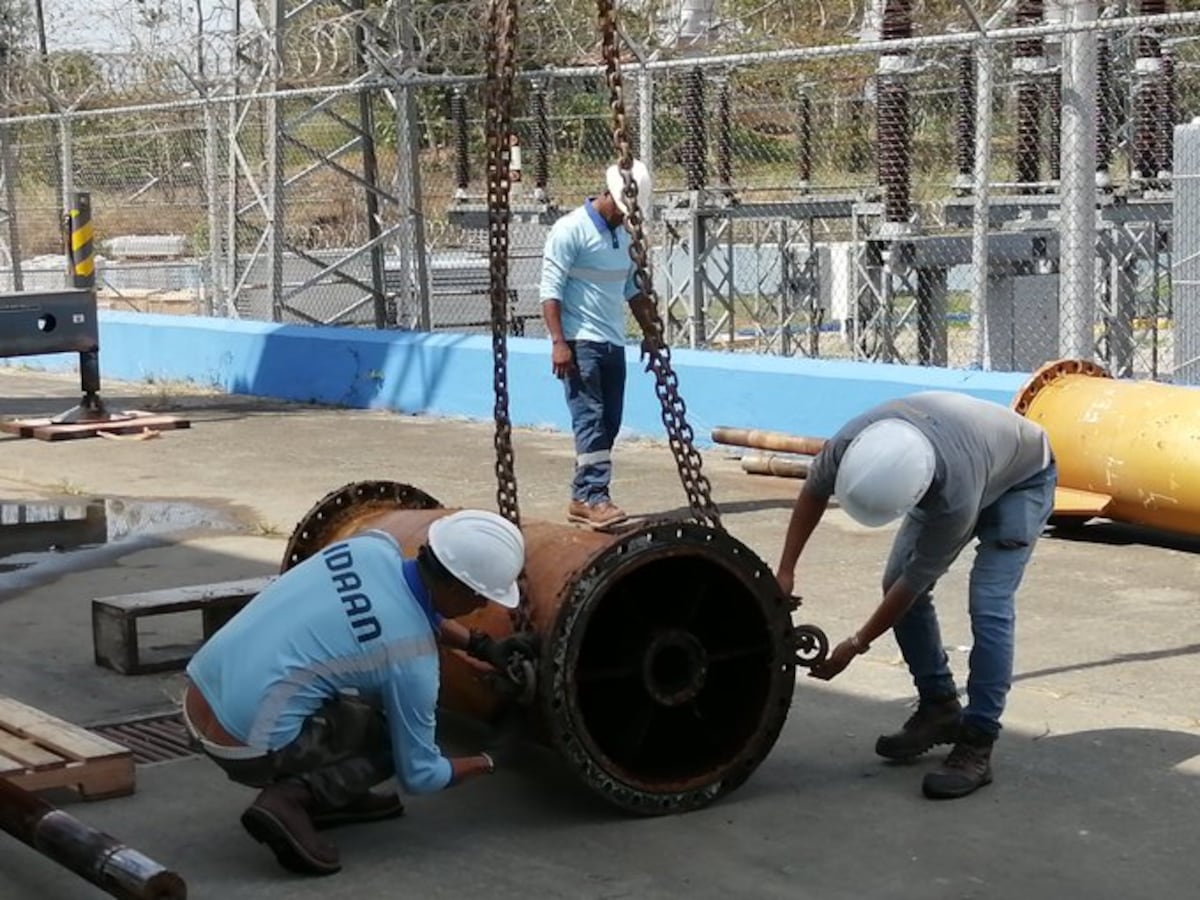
{"x":1096,"y":786}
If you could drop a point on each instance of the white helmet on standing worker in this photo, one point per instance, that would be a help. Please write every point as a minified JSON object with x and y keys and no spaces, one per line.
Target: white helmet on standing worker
{"x":484,"y":551}
{"x":615,"y":182}
{"x":884,"y":472}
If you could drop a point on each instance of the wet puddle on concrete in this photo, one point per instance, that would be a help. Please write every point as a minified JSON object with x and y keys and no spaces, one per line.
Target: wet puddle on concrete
{"x":43,"y":538}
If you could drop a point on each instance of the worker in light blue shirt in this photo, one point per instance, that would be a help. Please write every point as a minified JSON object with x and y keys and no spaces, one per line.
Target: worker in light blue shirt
{"x":587,"y":286}
{"x":326,"y":683}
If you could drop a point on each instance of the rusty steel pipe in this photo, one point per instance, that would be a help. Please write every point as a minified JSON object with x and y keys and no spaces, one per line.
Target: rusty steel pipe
{"x":667,"y":664}
{"x":1126,"y":450}
{"x":768,"y":440}
{"x":93,"y":855}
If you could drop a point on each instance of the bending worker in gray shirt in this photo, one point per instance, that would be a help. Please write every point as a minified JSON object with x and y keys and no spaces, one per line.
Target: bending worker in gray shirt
{"x":955,"y":468}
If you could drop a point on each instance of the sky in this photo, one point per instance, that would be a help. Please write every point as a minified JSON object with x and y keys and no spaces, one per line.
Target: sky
{"x":119,"y":26}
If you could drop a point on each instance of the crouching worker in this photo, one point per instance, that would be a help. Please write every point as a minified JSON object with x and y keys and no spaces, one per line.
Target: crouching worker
{"x":326,"y":683}
{"x":954,"y":469}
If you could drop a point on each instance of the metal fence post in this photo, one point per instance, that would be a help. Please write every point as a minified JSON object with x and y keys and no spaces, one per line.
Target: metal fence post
{"x":984,"y":62}
{"x":1077,"y":287}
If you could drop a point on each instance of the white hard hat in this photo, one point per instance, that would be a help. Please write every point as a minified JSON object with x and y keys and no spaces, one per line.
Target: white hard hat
{"x":484,"y":551}
{"x":884,"y":472}
{"x":615,"y":182}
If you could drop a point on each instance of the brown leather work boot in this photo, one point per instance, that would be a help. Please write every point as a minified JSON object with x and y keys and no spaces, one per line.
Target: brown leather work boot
{"x":370,"y":807}
{"x":596,"y":515}
{"x":966,"y":769}
{"x":279,"y":818}
{"x":934,"y":722}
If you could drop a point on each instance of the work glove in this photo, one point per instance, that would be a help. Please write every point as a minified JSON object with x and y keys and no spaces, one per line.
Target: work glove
{"x":500,"y":653}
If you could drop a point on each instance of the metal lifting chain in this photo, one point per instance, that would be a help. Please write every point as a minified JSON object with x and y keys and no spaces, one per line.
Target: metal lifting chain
{"x":666,"y":383}
{"x":502,"y":34}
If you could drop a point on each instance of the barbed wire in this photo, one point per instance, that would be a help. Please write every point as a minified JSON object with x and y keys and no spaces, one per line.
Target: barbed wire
{"x":117,"y":51}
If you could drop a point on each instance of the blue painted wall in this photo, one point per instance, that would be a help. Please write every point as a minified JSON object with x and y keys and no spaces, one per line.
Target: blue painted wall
{"x":451,"y":375}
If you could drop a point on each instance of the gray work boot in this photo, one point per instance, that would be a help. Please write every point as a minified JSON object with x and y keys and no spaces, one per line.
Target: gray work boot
{"x":934,"y":722}
{"x":966,"y":769}
{"x":280,"y":818}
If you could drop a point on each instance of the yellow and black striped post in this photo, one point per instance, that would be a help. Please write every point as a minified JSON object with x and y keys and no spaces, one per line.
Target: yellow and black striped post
{"x":81,"y":263}
{"x":81,"y":249}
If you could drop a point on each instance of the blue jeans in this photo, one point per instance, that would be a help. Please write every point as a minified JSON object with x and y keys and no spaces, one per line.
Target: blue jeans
{"x":596,"y":398}
{"x":1007,"y":531}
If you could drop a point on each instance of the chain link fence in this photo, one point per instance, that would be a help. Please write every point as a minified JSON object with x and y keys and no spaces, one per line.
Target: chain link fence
{"x":911,"y":184}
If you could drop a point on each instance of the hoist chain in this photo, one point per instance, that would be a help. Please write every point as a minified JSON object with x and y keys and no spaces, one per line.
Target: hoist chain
{"x":501,"y":45}
{"x":666,"y":383}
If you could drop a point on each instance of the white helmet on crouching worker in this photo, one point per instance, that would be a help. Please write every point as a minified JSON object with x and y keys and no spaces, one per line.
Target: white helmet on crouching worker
{"x":884,"y":472}
{"x":484,"y":551}
{"x":615,"y":182}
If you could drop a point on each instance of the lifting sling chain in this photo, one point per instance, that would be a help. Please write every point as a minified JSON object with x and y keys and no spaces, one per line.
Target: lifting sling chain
{"x":502,"y":32}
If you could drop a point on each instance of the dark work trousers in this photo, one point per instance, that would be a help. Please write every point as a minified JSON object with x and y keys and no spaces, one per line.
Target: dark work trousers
{"x":341,"y":752}
{"x":596,"y":398}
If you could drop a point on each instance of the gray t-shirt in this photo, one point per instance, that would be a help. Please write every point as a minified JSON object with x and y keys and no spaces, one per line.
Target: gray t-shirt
{"x":982,"y":448}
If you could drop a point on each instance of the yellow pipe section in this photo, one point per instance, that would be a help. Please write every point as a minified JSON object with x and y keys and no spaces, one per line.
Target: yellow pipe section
{"x":1126,"y":450}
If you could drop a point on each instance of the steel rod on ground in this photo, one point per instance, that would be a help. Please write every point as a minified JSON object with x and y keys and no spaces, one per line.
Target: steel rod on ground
{"x":775,"y":464}
{"x":768,"y":440}
{"x":92,"y":855}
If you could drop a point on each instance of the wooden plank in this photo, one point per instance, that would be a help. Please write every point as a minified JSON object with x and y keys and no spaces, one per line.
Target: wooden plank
{"x":26,"y":751}
{"x":10,"y":765}
{"x":54,"y":733}
{"x":29,"y":428}
{"x":124,"y":426}
{"x":180,"y":599}
{"x":114,"y":639}
{"x":21,"y":427}
{"x":98,"y":780}
{"x":1075,"y":502}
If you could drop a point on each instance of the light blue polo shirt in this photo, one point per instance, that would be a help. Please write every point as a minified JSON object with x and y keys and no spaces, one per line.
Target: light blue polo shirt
{"x":586,"y":268}
{"x":354,"y":618}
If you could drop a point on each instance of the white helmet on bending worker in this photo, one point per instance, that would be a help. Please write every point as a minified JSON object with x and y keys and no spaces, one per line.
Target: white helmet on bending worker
{"x":484,"y":551}
{"x":884,"y":472}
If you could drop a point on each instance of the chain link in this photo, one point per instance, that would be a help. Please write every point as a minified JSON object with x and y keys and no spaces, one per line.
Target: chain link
{"x":501,"y":49}
{"x":666,"y":383}
{"x":502,"y":39}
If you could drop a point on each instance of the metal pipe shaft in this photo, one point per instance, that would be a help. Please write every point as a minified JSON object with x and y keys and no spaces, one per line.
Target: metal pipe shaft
{"x":666,"y":669}
{"x":768,"y":440}
{"x":773,"y":464}
{"x":94,"y":856}
{"x":1126,"y":450}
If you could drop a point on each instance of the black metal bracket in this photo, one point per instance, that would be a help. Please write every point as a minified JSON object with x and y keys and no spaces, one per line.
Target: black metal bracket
{"x":811,"y":645}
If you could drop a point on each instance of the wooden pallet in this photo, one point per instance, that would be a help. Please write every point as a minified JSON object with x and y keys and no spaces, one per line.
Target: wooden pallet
{"x":39,"y":752}
{"x":132,"y":422}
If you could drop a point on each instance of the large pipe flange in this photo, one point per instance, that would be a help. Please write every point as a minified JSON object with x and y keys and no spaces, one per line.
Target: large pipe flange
{"x":1052,"y":372}
{"x":342,"y":512}
{"x":669,"y":670}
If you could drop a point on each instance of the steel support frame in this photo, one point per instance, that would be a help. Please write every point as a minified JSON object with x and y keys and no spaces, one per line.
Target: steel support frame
{"x":257,"y":232}
{"x":889,"y":299}
{"x":1131,"y":340}
{"x":706,"y":240}
{"x":10,"y":244}
{"x":704,"y":231}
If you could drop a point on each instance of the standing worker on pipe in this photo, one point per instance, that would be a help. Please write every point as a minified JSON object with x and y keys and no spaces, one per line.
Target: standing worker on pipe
{"x":587,"y":284}
{"x":326,"y":683}
{"x":956,"y":469}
